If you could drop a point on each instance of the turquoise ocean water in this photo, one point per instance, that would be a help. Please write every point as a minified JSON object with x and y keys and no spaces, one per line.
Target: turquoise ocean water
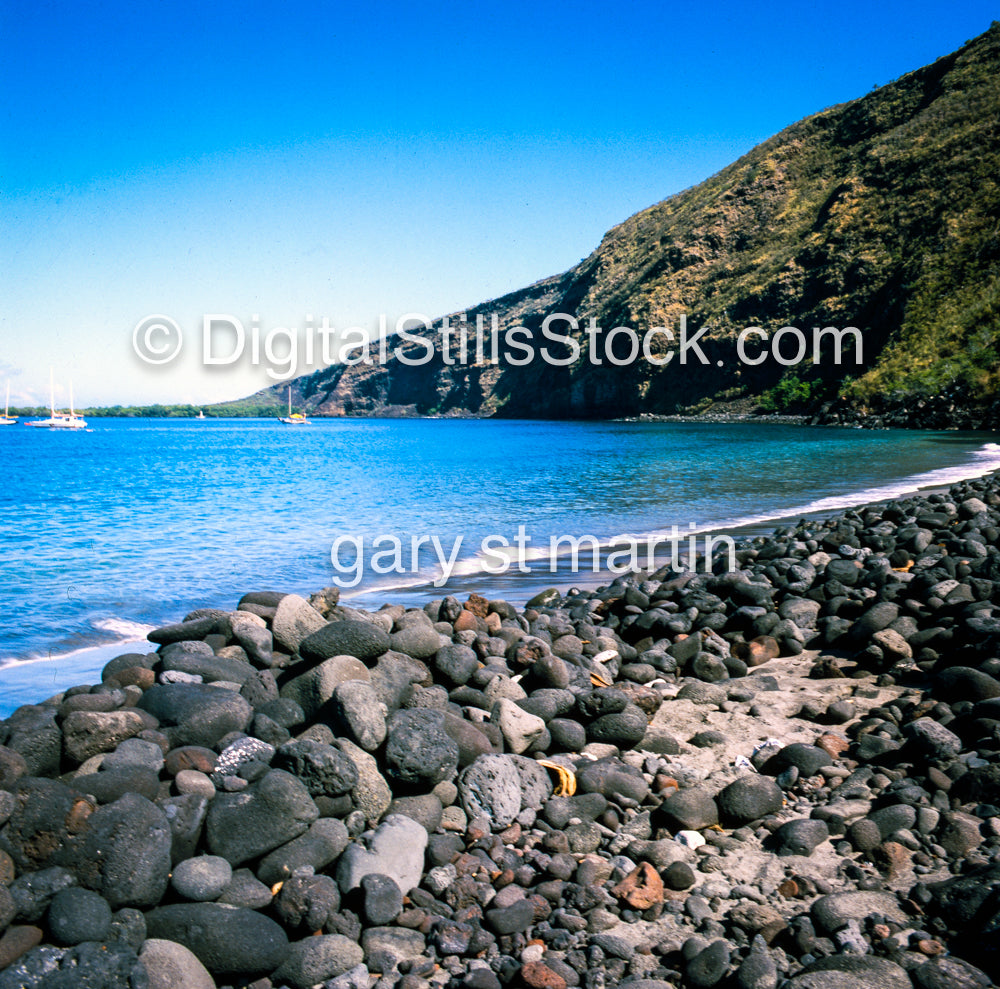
{"x":105,"y":533}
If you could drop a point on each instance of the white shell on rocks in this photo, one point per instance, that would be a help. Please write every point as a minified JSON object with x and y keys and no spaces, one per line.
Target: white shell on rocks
{"x":690,"y":838}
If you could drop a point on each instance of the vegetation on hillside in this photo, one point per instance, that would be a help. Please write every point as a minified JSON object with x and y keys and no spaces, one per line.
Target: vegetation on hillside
{"x":882,"y":214}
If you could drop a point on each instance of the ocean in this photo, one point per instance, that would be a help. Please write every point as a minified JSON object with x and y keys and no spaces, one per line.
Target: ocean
{"x":107,"y":533}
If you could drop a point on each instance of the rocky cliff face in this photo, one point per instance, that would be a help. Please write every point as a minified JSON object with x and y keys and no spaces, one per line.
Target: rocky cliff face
{"x":881,"y":214}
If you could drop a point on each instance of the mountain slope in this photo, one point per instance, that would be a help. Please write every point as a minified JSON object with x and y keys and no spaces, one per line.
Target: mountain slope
{"x":882,"y":214}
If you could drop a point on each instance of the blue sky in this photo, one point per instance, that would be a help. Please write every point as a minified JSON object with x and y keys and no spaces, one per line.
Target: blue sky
{"x":350,"y":160}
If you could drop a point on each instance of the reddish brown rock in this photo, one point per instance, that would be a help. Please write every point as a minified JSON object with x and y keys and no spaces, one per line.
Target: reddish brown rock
{"x":194,"y":757}
{"x":758,"y":918}
{"x":466,"y":622}
{"x":959,"y":833}
{"x":138,"y":676}
{"x":892,"y":858}
{"x":157,"y":738}
{"x":8,"y":872}
{"x":666,"y":784}
{"x":538,"y":975}
{"x":478,"y":605}
{"x":833,"y":745}
{"x":641,"y":888}
{"x":13,"y":766}
{"x":762,"y":650}
{"x":542,"y":907}
{"x":19,"y":940}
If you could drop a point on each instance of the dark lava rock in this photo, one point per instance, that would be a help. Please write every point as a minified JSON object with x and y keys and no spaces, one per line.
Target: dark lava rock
{"x":192,"y":630}
{"x":419,"y":752}
{"x":623,"y":728}
{"x":196,"y":714}
{"x":363,"y":640}
{"x":691,"y":809}
{"x":205,"y":664}
{"x":201,"y":878}
{"x":32,"y":892}
{"x":87,"y":733}
{"x":186,"y":816}
{"x":961,"y":683}
{"x":679,"y":876}
{"x":318,"y":961}
{"x":947,"y":972}
{"x":33,"y":734}
{"x":748,"y":799}
{"x":91,"y":965}
{"x":77,"y":915}
{"x":227,"y":940}
{"x":509,"y":920}
{"x":708,"y":967}
{"x":893,"y":818}
{"x":612,"y":779}
{"x":807,"y":759}
{"x":107,"y":786}
{"x":307,"y":901}
{"x":456,"y":663}
{"x":46,"y":823}
{"x":865,"y":835}
{"x":316,"y":849}
{"x":567,"y":735}
{"x":933,"y":739}
{"x":324,"y":769}
{"x":275,"y":809}
{"x":125,"y":854}
{"x":801,"y":837}
{"x":13,"y":766}
{"x":876,"y":618}
{"x":382,"y":899}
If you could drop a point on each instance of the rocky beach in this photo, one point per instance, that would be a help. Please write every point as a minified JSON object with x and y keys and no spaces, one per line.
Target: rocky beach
{"x":782,"y":776}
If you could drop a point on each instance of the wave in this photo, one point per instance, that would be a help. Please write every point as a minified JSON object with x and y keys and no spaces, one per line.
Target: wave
{"x":117,"y":632}
{"x":984,"y":460}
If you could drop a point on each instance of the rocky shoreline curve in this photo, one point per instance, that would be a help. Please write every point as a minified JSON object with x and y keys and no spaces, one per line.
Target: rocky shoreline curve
{"x":784,"y":776}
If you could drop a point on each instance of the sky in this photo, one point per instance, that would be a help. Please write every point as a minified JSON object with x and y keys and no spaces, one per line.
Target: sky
{"x":277,"y":164}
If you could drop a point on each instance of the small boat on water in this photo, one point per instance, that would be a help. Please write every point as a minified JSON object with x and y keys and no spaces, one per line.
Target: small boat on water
{"x":7,"y":419}
{"x":201,"y":414}
{"x":294,"y":418}
{"x":59,"y":420}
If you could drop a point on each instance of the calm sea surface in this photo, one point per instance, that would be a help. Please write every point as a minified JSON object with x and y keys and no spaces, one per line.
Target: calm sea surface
{"x":138,"y":521}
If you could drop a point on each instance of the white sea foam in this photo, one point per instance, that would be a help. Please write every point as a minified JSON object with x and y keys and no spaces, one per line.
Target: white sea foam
{"x":123,"y":630}
{"x":982,"y":461}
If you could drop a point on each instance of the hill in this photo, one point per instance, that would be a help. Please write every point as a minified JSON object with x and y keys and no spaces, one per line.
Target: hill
{"x":881,"y":214}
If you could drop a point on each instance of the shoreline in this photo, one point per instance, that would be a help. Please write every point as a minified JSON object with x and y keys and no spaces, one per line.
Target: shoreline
{"x":788,"y":770}
{"x":512,"y":585}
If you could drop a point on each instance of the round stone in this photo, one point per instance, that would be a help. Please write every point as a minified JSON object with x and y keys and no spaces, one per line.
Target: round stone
{"x":748,"y":799}
{"x":202,"y":878}
{"x":77,"y":915}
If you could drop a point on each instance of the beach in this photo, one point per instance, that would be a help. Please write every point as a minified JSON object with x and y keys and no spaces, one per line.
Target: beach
{"x":783,"y":774}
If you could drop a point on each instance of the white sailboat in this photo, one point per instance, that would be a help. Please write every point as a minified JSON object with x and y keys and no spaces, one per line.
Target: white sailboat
{"x":59,"y":420}
{"x":7,"y":419}
{"x":201,"y":414}
{"x":294,"y":418}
